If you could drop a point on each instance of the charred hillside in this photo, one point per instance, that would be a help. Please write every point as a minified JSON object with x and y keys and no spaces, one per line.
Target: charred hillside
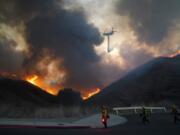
{"x":19,"y":92}
{"x":157,"y":81}
{"x":20,"y":98}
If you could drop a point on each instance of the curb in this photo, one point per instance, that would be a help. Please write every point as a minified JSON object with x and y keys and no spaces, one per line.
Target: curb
{"x":41,"y":126}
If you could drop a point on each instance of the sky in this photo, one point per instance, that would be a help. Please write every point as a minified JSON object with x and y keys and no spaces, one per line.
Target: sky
{"x":61,"y":42}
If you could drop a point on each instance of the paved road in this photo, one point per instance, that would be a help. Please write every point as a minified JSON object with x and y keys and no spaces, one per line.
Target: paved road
{"x":160,"y":125}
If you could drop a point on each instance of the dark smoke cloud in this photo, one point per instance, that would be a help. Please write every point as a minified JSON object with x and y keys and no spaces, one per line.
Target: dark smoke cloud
{"x":10,"y":59}
{"x":67,"y":34}
{"x":150,"y":19}
{"x":15,"y":11}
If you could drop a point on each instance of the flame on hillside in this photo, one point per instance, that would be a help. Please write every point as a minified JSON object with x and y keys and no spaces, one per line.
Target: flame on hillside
{"x":37,"y":81}
{"x":90,"y":94}
{"x":174,"y":54}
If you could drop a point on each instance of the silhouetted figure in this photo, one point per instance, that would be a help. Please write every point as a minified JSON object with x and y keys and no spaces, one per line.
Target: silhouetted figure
{"x":175,"y":114}
{"x":145,"y":115}
{"x":105,"y":115}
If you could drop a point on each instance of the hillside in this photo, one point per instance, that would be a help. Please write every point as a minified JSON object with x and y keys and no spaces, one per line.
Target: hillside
{"x":157,"y":81}
{"x":19,"y":91}
{"x":20,"y":98}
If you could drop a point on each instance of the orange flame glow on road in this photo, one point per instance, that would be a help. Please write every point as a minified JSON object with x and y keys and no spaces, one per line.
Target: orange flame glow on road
{"x":86,"y":96}
{"x":35,"y":80}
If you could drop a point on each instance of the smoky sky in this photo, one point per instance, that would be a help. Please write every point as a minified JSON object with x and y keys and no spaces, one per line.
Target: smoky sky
{"x":67,"y":34}
{"x":15,"y":11}
{"x":10,"y":60}
{"x":150,"y":19}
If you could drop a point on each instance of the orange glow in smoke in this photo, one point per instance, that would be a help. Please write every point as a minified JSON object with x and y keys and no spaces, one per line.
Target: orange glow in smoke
{"x":90,"y":94}
{"x":37,"y":81}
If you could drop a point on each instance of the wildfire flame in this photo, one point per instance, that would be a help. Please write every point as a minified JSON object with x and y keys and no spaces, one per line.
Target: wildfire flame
{"x":32,"y":79}
{"x":85,"y":97}
{"x":35,"y":80}
{"x":174,"y":54}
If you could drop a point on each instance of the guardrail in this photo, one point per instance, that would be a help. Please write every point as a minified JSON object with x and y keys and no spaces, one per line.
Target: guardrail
{"x":137,"y":109}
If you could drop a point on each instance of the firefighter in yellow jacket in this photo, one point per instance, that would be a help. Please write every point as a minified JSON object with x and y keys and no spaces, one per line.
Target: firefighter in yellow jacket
{"x":104,"y":115}
{"x":175,"y":114}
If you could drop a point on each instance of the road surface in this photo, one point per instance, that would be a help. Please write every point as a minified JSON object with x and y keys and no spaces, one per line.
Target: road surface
{"x":160,"y":125}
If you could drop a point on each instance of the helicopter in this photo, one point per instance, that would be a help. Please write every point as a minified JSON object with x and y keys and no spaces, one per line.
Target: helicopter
{"x":108,"y":34}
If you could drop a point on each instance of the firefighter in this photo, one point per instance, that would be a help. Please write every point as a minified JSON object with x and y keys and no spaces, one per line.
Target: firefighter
{"x":145,"y":115}
{"x":175,"y":114}
{"x":104,"y":115}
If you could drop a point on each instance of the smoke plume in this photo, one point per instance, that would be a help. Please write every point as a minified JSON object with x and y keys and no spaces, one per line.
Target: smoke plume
{"x":66,"y":36}
{"x":150,"y":19}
